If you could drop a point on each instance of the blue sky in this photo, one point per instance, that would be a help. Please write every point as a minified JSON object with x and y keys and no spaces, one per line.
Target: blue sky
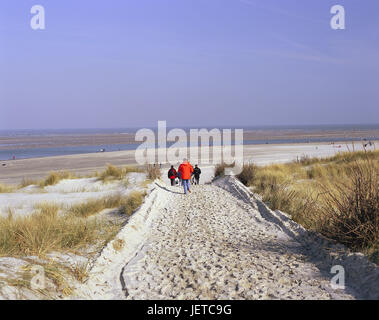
{"x":125,"y":63}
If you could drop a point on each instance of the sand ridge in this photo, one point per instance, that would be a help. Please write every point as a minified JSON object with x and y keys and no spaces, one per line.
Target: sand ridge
{"x":220,"y":242}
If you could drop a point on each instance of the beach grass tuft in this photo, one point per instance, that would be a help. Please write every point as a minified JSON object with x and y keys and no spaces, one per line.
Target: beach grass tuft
{"x":116,"y":173}
{"x":45,"y":231}
{"x":126,"y":204}
{"x":80,"y":271}
{"x":337,"y":196}
{"x":153,"y":172}
{"x":220,"y":169}
{"x":6,"y":188}
{"x":55,"y":176}
{"x":25,"y":182}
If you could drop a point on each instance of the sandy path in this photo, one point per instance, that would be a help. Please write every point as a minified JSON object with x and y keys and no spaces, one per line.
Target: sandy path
{"x":220,"y":243}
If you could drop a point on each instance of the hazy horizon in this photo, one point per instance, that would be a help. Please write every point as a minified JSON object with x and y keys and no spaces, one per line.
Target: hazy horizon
{"x":346,"y":126}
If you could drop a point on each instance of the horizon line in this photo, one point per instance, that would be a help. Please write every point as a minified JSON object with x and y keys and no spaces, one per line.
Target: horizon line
{"x":199,"y":127}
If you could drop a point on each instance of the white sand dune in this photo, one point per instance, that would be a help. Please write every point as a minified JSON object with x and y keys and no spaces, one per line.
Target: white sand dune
{"x":220,"y":242}
{"x":66,"y":193}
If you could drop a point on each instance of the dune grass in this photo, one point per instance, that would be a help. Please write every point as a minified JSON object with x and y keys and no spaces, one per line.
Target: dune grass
{"x":54,"y":228}
{"x":25,"y":182}
{"x":6,"y":188}
{"x":336,"y":196}
{"x":116,"y":173}
{"x":59,"y":274}
{"x":55,"y":273}
{"x":111,"y":173}
{"x":45,"y":231}
{"x":52,"y":179}
{"x":131,"y":203}
{"x":220,"y":169}
{"x":118,"y":244}
{"x":55,"y":176}
{"x":126,"y":204}
{"x":153,"y":172}
{"x":80,"y":271}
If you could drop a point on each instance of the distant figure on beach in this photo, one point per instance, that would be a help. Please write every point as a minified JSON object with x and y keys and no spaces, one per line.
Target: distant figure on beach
{"x":196,"y":174}
{"x":185,"y":169}
{"x":172,"y":174}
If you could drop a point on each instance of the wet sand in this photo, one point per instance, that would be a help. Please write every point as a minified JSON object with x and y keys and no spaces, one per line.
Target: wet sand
{"x":13,"y":171}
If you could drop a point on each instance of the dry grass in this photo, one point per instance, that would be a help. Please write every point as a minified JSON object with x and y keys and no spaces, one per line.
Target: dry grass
{"x":131,"y":202}
{"x":351,"y":210}
{"x":90,"y":207}
{"x":126,"y":204}
{"x":54,"y":177}
{"x":28,"y":182}
{"x":51,"y":228}
{"x":339,"y":157}
{"x":116,"y":173}
{"x":6,"y":189}
{"x":336,"y":196}
{"x":248,"y":174}
{"x":220,"y":169}
{"x":57,"y":273}
{"x":80,"y":272}
{"x":153,"y":172}
{"x":45,"y":231}
{"x":118,"y":244}
{"x":145,"y":183}
{"x":15,"y":282}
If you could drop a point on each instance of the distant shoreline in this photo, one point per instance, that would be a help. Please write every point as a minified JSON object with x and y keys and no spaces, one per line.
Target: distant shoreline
{"x":27,"y":146}
{"x":15,"y":171}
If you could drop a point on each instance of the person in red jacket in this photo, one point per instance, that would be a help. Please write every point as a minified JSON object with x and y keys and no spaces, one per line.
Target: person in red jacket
{"x":186,"y":170}
{"x":172,"y":175}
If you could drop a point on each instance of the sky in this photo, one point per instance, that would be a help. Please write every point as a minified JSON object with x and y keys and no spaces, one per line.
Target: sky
{"x":130,"y":63}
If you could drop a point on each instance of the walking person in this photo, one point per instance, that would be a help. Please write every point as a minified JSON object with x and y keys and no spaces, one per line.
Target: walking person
{"x":180,"y":177}
{"x":185,"y":169}
{"x":196,"y":174}
{"x":172,"y":175}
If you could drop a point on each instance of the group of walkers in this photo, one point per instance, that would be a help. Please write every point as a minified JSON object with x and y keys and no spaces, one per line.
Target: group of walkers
{"x":186,"y":175}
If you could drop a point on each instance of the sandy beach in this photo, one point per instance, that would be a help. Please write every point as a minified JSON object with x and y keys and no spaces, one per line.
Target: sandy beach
{"x":13,"y":171}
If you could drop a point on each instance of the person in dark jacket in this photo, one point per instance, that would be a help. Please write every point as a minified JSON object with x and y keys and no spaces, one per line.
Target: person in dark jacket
{"x":172,"y":174}
{"x":196,"y":174}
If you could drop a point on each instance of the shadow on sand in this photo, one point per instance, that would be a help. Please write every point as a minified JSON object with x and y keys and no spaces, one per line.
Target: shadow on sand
{"x":168,"y":190}
{"x":362,"y":276}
